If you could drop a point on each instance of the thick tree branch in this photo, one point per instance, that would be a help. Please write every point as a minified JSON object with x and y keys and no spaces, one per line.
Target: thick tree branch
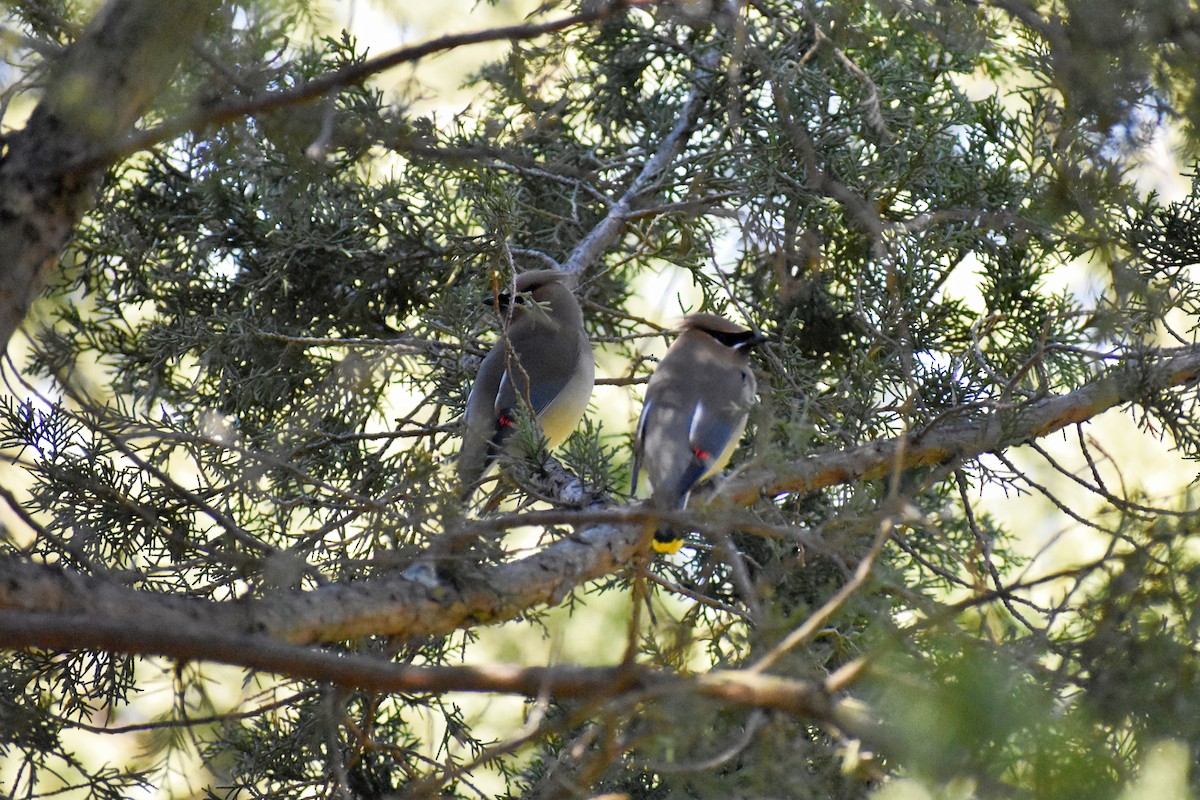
{"x":401,"y":607}
{"x":999,"y":430}
{"x":95,"y":93}
{"x":385,"y":606}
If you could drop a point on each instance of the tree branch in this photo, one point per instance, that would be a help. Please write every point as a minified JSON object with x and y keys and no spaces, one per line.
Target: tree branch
{"x":99,"y":89}
{"x":95,"y":93}
{"x":601,"y":237}
{"x":394,"y":605}
{"x":958,"y":441}
{"x":72,"y":632}
{"x":398,"y":606}
{"x":340,"y":79}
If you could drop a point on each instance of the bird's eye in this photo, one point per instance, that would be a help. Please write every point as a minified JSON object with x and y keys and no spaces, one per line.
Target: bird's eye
{"x":730,"y":338}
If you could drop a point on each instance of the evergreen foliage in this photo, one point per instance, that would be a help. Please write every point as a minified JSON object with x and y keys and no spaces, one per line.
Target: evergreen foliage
{"x":246,"y":377}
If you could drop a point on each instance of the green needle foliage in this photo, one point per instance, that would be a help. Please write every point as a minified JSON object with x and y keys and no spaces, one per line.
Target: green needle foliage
{"x":246,"y":378}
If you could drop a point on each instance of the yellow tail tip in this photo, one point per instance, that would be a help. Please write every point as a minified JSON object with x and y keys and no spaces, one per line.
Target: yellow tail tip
{"x":667,"y":546}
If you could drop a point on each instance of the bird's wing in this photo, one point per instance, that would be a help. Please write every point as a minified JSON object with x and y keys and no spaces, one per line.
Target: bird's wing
{"x":639,"y":438}
{"x":714,"y":433}
{"x":537,"y":380}
{"x":709,"y":431}
{"x":712,"y":436}
{"x":479,"y":420}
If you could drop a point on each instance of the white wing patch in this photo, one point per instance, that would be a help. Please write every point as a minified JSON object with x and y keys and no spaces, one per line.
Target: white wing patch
{"x":503,"y":385}
{"x":697,"y":422}
{"x":641,"y":426}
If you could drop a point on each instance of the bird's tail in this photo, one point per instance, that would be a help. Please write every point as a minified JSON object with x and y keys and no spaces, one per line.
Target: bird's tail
{"x":666,"y":540}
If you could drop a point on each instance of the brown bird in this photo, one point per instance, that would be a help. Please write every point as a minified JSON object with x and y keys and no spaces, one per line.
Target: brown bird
{"x":542,"y":363}
{"x":696,"y":406}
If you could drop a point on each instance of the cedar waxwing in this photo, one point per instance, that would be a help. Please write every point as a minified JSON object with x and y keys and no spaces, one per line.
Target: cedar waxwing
{"x":542,"y":362}
{"x":695,"y":410}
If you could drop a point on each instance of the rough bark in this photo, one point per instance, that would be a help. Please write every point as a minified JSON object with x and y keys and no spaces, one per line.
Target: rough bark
{"x":97,"y":91}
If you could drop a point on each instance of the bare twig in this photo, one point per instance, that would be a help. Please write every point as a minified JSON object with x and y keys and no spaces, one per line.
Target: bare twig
{"x":338,"y":79}
{"x":601,"y":237}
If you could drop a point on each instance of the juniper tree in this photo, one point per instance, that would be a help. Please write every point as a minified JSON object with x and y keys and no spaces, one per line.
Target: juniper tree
{"x":232,"y":411}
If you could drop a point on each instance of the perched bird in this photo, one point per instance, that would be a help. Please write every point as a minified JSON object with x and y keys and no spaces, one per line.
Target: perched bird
{"x":542,"y":363}
{"x":695,"y":410}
